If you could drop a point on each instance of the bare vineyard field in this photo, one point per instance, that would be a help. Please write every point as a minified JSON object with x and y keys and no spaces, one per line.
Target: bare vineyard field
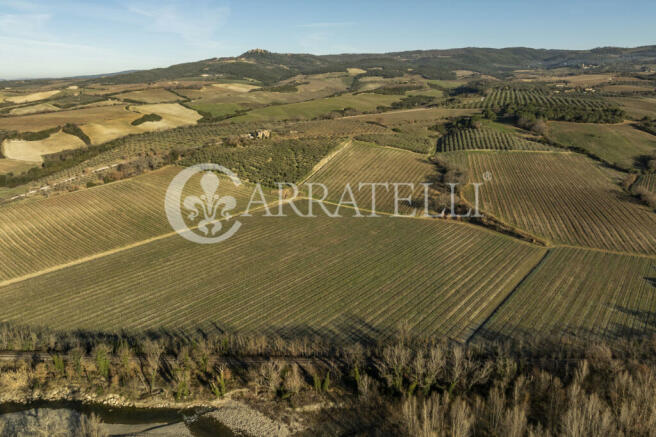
{"x":409,"y":141}
{"x":487,"y":139}
{"x":42,"y":233}
{"x":566,"y":198}
{"x":647,"y":181}
{"x":350,"y":277}
{"x":581,"y":292}
{"x":362,"y":162}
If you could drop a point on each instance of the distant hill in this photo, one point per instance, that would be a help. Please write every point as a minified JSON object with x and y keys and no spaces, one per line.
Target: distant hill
{"x":268,"y":68}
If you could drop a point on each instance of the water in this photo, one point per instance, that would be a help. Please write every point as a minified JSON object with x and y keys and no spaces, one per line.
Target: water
{"x":122,"y":420}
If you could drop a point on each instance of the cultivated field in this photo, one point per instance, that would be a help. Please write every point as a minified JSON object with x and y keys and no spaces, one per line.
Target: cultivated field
{"x":501,"y":97}
{"x":33,"y":109}
{"x":647,"y":181}
{"x":39,"y":234}
{"x":366,"y":163}
{"x":619,"y":144}
{"x":350,"y":277}
{"x":487,"y":139}
{"x":580,"y":292}
{"x":563,"y":197}
{"x":37,"y":122}
{"x":153,"y":95}
{"x":32,"y":151}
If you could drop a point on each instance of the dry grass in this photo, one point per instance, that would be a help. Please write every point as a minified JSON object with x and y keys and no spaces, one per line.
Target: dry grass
{"x":14,"y":166}
{"x":37,"y":122}
{"x":33,"y":109}
{"x":32,"y":151}
{"x":173,"y":115}
{"x":355,"y":71}
{"x":32,"y":97}
{"x":152,"y":95}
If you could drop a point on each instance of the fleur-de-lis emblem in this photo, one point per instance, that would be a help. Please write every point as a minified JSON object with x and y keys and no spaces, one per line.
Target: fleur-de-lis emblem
{"x":209,"y":203}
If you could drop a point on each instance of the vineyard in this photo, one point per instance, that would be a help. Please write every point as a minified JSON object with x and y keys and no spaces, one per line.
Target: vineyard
{"x":288,"y":275}
{"x":580,"y":292}
{"x":505,"y":96}
{"x":500,"y":97}
{"x":40,"y":234}
{"x":563,"y":197}
{"x":647,"y":181}
{"x":487,"y":139}
{"x":364,"y":163}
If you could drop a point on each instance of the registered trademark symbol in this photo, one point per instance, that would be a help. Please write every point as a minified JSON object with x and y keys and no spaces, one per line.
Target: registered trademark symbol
{"x":487,"y":176}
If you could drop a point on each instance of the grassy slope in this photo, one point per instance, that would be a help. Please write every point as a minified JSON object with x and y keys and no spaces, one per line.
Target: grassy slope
{"x":637,"y":107}
{"x":619,"y":144}
{"x":319,"y":107}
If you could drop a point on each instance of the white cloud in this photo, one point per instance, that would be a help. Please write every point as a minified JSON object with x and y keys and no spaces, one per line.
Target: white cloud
{"x":23,"y":24}
{"x":327,"y":25}
{"x":196,"y":25}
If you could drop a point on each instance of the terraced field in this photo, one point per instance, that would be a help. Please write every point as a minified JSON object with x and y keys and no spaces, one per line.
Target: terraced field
{"x":488,"y":139}
{"x":581,"y":292}
{"x":620,"y":144}
{"x":566,"y":198}
{"x":352,"y":276}
{"x":40,"y":234}
{"x":362,"y":162}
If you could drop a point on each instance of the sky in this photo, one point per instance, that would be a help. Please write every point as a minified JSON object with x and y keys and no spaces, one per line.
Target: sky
{"x":50,"y":38}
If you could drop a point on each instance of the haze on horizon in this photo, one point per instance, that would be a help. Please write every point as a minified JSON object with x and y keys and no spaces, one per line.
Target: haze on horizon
{"x":39,"y":38}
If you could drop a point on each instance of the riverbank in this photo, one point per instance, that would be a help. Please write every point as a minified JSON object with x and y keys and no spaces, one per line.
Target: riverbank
{"x":61,"y":408}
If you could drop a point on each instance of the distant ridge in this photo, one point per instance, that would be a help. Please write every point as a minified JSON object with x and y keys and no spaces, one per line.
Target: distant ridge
{"x":267,"y":67}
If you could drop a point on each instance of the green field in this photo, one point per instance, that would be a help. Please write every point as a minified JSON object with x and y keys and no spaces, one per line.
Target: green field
{"x":217,"y":110}
{"x":637,"y":107}
{"x":579,"y":292}
{"x":563,"y":197}
{"x":618,"y":144}
{"x":332,"y":277}
{"x":317,"y":108}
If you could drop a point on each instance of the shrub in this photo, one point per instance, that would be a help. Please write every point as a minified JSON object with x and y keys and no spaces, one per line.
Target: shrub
{"x":73,"y":129}
{"x":146,"y":118}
